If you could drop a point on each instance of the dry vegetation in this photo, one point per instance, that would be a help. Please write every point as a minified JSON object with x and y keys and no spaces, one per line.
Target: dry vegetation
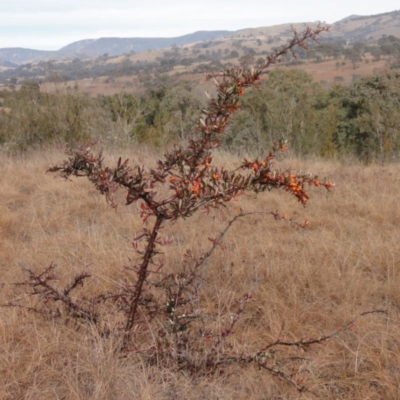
{"x":328,"y":71}
{"x":322,"y":72}
{"x":305,"y":283}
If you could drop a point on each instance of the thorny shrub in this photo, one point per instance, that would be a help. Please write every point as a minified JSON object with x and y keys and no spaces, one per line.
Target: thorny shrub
{"x":156,"y":313}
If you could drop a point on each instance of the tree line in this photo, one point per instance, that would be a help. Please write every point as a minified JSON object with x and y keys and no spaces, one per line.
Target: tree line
{"x":361,"y":120}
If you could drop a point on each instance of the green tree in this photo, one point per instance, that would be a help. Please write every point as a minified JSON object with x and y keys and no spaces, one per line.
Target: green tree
{"x":368,"y":117}
{"x":177,"y":115}
{"x":282,"y":108}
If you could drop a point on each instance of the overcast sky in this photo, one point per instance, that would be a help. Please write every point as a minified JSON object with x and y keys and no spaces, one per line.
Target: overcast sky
{"x":52,"y":24}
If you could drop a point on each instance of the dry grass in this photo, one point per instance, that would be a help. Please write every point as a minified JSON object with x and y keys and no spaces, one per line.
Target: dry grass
{"x":310,"y":281}
{"x":327,"y":71}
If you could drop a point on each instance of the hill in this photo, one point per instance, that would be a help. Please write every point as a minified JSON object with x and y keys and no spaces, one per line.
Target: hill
{"x":355,"y":46}
{"x":368,"y":28}
{"x":92,"y":48}
{"x":18,"y":55}
{"x":118,"y":46}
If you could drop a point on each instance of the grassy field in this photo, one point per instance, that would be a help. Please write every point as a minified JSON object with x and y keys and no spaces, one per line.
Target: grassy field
{"x":305,"y":283}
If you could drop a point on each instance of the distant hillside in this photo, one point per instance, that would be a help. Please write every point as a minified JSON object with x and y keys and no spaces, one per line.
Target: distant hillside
{"x":368,"y":28}
{"x":8,"y":64}
{"x":118,"y":46}
{"x":18,"y":55}
{"x":354,"y":39}
{"x":349,"y":18}
{"x":92,"y":48}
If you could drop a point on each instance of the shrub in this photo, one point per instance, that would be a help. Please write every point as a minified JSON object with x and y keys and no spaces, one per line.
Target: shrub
{"x":156,"y":310}
{"x":40,"y":118}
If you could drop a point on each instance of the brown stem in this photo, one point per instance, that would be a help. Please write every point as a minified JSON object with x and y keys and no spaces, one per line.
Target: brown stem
{"x":143,"y":271}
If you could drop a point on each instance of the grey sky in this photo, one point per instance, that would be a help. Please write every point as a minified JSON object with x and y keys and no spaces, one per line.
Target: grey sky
{"x":52,"y":24}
